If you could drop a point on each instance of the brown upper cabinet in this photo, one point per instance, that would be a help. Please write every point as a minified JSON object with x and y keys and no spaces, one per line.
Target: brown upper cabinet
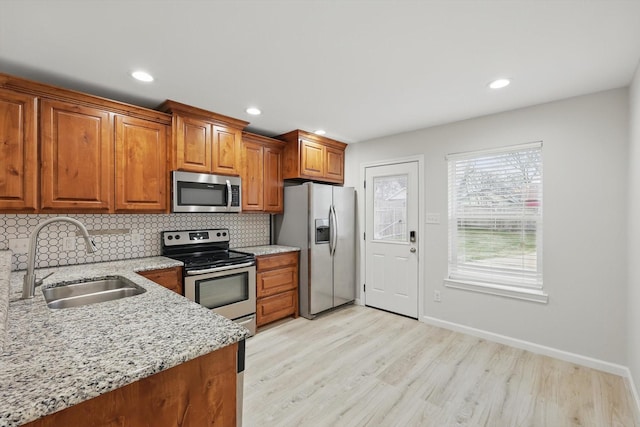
{"x":262,"y":182}
{"x":77,"y":157}
{"x":313,"y":157}
{"x":141,"y":165}
{"x":96,"y":155}
{"x":204,"y":141}
{"x":18,"y":152}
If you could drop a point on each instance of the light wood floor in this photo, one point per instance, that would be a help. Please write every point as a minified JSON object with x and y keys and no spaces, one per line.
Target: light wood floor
{"x":359,"y":366}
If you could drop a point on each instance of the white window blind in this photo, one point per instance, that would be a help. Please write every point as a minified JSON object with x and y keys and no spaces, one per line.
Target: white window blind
{"x":495,"y":217}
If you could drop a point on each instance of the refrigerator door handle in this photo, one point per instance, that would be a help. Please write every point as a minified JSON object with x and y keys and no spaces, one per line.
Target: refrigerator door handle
{"x":334,"y":230}
{"x":331,"y":226}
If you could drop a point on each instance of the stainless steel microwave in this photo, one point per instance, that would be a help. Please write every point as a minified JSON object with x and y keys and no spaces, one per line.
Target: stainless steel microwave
{"x":203,"y":192}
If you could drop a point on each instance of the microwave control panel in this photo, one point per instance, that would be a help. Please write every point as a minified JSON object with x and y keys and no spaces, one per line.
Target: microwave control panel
{"x":235,"y":195}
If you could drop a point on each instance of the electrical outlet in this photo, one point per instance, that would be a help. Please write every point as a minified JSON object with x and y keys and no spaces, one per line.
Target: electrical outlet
{"x":436,"y":296}
{"x":69,"y":243}
{"x":19,"y":246}
{"x":136,"y":239}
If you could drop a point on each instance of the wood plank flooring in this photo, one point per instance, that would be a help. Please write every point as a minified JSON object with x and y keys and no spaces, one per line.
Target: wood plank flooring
{"x":358,"y":366}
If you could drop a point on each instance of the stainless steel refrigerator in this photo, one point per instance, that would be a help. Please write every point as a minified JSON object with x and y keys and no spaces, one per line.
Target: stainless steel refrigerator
{"x":320,"y":220}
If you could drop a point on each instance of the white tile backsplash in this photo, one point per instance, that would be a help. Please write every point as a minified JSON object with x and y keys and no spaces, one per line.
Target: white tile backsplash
{"x":245,"y":230}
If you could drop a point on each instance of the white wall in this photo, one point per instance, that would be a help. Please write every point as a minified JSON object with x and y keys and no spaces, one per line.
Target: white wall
{"x":585,"y":214}
{"x":633,"y":338}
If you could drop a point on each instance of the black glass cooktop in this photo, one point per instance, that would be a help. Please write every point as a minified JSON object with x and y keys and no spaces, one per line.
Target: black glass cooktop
{"x":213,"y":258}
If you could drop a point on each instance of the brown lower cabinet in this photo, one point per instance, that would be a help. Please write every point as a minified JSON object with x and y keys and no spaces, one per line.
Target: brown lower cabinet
{"x":170,"y":278}
{"x":200,"y":392}
{"x":277,"y":287}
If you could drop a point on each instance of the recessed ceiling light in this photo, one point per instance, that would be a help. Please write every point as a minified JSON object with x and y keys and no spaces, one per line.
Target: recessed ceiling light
{"x":320,"y":132}
{"x":253,"y":111}
{"x":499,"y":84}
{"x":143,"y":76}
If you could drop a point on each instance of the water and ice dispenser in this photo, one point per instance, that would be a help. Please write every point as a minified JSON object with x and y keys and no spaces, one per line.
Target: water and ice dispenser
{"x":322,"y":230}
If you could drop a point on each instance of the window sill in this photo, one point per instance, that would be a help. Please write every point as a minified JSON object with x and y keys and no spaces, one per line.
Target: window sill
{"x":533,"y":295}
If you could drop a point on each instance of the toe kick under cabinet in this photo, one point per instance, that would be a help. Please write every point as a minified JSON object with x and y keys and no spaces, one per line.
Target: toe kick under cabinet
{"x":277,"y":287}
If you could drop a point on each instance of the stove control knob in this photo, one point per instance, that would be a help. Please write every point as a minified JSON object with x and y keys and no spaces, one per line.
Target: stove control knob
{"x":224,"y":234}
{"x":218,"y":234}
{"x":177,"y":237}
{"x":169,"y":237}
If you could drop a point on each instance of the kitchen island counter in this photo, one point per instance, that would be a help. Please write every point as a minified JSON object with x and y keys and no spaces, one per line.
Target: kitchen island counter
{"x":56,"y":358}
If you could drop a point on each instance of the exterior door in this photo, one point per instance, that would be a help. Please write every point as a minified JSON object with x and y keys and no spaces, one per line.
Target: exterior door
{"x":391,"y":198}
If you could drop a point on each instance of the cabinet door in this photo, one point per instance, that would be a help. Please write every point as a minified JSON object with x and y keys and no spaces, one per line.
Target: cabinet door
{"x":18,"y":152}
{"x":141,"y":172}
{"x":276,"y":281}
{"x":252,"y":177}
{"x":273,"y":183}
{"x":334,"y":164}
{"x":77,"y":157}
{"x":170,"y":278}
{"x":193,"y":145}
{"x":226,"y":150}
{"x":276,"y":307}
{"x":311,"y":159}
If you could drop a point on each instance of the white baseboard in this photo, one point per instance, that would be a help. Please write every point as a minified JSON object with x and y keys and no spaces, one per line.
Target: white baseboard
{"x":589,"y":362}
{"x":634,"y":390}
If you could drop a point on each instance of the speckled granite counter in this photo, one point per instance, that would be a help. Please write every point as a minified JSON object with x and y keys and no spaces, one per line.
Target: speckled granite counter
{"x":267,"y":249}
{"x":54,"y":359}
{"x":5,"y":272}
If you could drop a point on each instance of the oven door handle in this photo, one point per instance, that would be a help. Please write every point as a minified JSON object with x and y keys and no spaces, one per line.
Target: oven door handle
{"x":216,"y":269}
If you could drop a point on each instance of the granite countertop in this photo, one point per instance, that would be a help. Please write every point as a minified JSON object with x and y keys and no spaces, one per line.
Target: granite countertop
{"x":5,"y":272}
{"x":267,"y":249}
{"x":54,"y":359}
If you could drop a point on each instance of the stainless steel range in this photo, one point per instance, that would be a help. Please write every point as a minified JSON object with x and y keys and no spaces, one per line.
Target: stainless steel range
{"x":215,"y":276}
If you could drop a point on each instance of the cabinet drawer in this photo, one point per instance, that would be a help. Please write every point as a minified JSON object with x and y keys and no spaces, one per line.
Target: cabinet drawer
{"x":276,"y":281}
{"x":268,"y":262}
{"x":276,"y":307}
{"x":170,"y":278}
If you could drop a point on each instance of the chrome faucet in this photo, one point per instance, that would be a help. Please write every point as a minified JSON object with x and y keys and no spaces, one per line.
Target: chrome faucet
{"x":30,"y":281}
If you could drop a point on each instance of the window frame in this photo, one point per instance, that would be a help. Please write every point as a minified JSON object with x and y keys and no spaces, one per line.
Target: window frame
{"x":530,"y":286}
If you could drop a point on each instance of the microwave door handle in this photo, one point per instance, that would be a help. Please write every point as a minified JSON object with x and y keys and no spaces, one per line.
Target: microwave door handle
{"x":229,"y":194}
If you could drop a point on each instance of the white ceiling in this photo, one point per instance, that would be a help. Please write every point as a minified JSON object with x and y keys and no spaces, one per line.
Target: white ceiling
{"x":359,"y":69}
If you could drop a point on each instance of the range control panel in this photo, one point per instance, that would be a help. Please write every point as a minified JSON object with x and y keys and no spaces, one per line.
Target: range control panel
{"x":194,"y":237}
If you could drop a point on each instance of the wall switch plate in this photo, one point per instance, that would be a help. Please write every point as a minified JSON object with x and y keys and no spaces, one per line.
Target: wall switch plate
{"x":437,"y":297}
{"x":433,"y":218}
{"x":69,"y":243}
{"x":19,"y":246}
{"x":136,"y":239}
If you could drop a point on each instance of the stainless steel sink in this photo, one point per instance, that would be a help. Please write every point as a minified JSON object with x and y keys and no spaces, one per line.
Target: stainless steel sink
{"x":91,"y":291}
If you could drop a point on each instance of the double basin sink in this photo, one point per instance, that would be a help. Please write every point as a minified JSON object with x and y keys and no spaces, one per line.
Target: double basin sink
{"x":90,"y":291}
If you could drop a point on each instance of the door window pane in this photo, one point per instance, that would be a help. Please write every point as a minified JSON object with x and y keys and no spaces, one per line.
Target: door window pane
{"x":390,"y":208}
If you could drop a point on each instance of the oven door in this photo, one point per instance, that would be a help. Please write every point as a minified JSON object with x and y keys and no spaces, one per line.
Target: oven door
{"x":229,"y":291}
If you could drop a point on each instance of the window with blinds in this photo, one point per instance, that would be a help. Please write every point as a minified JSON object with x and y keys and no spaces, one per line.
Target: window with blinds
{"x":495,"y":217}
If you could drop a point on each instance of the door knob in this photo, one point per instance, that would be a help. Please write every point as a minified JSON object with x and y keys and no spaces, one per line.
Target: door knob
{"x":412,"y":250}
